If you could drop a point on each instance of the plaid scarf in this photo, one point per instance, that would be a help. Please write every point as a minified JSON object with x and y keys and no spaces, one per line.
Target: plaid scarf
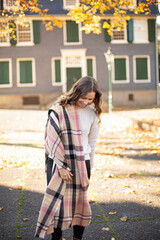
{"x":65,"y":203}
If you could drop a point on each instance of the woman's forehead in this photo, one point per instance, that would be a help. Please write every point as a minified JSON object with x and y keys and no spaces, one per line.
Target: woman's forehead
{"x":90,"y":95}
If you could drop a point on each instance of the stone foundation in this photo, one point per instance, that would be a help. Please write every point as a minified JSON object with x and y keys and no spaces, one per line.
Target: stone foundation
{"x":44,"y":101}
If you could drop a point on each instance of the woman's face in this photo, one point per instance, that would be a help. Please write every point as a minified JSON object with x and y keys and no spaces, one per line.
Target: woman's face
{"x":86,"y":100}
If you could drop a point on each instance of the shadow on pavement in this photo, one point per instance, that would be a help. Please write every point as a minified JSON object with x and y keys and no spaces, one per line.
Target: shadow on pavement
{"x":21,"y":207}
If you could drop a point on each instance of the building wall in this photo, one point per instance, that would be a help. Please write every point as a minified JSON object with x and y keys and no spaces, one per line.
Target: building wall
{"x":50,"y":45}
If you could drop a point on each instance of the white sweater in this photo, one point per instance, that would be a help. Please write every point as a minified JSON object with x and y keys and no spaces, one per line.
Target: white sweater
{"x":89,"y":127}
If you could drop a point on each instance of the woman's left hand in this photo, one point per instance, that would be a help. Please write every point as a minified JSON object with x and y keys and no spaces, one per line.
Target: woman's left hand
{"x":65,"y":174}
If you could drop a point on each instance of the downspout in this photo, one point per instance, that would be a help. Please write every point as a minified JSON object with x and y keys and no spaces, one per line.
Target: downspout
{"x":157,"y":62}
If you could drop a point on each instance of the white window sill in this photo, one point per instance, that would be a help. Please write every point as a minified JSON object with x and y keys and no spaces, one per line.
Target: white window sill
{"x":68,"y":7}
{"x":72,"y":43}
{"x":5,"y":44}
{"x":142,"y":81}
{"x":25,"y":44}
{"x":119,"y":41}
{"x":26,"y":85}
{"x":57,"y":84}
{"x":120,"y":81}
{"x":145,"y":42}
{"x":5,"y":85}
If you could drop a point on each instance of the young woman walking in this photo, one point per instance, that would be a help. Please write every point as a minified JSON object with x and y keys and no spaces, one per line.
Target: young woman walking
{"x":70,"y":139}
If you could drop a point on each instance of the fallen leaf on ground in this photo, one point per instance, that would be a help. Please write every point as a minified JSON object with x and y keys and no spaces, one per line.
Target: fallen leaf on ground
{"x":105,"y":229}
{"x":26,"y":219}
{"x":112,"y":238}
{"x":97,"y":215}
{"x":124,"y":219}
{"x":10,"y":189}
{"x":18,"y":187}
{"x":19,"y":237}
{"x":1,"y":208}
{"x":112,"y":213}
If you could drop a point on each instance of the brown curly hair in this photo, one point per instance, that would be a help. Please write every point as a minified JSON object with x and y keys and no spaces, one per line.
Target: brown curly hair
{"x":83,"y":86}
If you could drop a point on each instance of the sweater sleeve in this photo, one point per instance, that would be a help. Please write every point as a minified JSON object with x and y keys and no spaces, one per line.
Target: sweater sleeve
{"x":92,"y":138}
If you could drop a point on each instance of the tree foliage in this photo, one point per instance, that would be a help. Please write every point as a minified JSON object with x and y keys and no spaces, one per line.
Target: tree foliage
{"x":91,"y":12}
{"x":18,"y":11}
{"x":88,"y":12}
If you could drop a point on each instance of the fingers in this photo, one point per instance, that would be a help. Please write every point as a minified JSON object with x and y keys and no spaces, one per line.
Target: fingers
{"x":68,"y":176}
{"x":65,"y":174}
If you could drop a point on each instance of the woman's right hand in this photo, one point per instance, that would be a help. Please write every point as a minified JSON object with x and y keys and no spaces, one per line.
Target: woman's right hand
{"x":65,"y":174}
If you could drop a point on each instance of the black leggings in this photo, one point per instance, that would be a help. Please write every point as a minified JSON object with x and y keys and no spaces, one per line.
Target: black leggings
{"x":77,"y":230}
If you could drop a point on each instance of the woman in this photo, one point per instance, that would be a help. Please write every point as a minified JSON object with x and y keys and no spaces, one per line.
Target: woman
{"x":70,"y":140}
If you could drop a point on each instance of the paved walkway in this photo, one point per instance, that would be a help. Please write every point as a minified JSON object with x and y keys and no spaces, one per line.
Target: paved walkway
{"x":125,"y":186}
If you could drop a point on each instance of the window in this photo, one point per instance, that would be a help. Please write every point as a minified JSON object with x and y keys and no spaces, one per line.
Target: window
{"x":56,"y":71}
{"x":24,"y":34}
{"x":140,"y":31}
{"x":120,"y":69}
{"x":10,"y":4}
{"x":5,"y":73}
{"x":141,"y":69}
{"x":119,"y":36}
{"x":91,"y":66}
{"x":4,"y":34}
{"x":69,"y":3}
{"x":133,"y":6}
{"x":26,"y":72}
{"x":72,"y":33}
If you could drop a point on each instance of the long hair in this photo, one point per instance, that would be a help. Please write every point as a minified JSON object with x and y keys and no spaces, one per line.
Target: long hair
{"x":83,"y":86}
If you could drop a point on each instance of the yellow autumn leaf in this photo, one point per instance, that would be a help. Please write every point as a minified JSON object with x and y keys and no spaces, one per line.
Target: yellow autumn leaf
{"x":124,"y":219}
{"x":112,"y":213}
{"x":26,"y":219}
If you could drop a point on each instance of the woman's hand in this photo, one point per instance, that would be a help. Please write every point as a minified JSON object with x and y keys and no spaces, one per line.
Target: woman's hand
{"x":65,"y":174}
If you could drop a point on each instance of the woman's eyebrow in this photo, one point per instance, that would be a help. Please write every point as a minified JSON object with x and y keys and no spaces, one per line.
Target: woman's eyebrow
{"x":88,"y":97}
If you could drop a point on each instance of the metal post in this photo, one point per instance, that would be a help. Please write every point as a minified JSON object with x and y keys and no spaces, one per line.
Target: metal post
{"x":110,"y":102}
{"x":109,"y":59}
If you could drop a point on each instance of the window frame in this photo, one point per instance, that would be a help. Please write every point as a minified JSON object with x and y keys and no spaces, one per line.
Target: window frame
{"x":10,"y":7}
{"x":6,"y":44}
{"x":80,"y":52}
{"x":65,"y":6}
{"x":54,"y":83}
{"x":31,"y":43}
{"x":94,"y":65}
{"x":65,"y":35}
{"x":148,"y":66}
{"x":146,"y":31}
{"x":33,"y":84}
{"x":10,"y":73}
{"x":133,"y":6}
{"x":120,"y":41}
{"x":127,"y":70}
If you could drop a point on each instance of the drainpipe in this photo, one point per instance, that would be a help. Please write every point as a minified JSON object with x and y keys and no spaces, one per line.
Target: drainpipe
{"x":157,"y":62}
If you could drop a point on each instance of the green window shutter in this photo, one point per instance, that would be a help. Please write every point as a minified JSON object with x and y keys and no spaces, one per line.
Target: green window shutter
{"x":1,"y":7}
{"x":57,"y":70}
{"x":4,"y":72}
{"x":90,"y":67}
{"x":151,"y":30}
{"x":25,"y":71}
{"x":36,"y":31}
{"x":130,"y":32}
{"x":141,"y":69}
{"x":120,"y":69}
{"x":72,"y":31}
{"x":13,"y":38}
{"x":107,"y":37}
